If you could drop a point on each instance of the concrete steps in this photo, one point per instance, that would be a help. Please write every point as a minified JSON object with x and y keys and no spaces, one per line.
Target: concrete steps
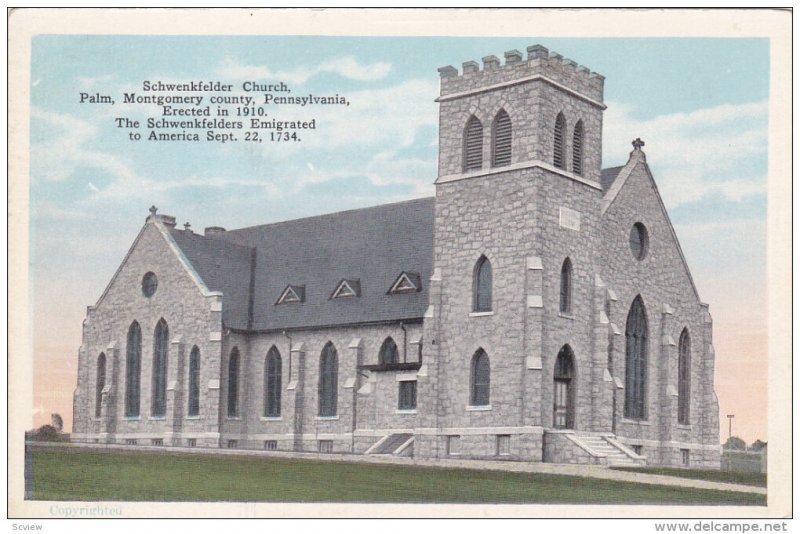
{"x":400,"y":444}
{"x":614,"y":452}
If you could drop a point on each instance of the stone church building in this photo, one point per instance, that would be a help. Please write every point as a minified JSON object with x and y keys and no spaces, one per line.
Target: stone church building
{"x":538,"y":308}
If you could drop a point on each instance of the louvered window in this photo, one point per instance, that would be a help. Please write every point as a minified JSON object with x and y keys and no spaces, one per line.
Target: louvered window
{"x":558,"y":142}
{"x":684,"y":377}
{"x":473,"y":145}
{"x":501,"y":140}
{"x":158,"y":406}
{"x":636,"y":361}
{"x":133,"y":369}
{"x":577,"y":149}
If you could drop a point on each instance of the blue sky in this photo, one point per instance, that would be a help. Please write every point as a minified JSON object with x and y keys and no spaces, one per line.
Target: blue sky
{"x":700,"y":105}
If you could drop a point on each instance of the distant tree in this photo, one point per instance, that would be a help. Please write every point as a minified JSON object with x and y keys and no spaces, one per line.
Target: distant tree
{"x":758,"y":445}
{"x":57,"y":422}
{"x":735,"y":444}
{"x":44,"y":433}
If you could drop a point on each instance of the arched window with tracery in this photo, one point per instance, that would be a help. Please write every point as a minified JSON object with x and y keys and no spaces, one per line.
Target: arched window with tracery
{"x":684,"y":376}
{"x":480,"y":379}
{"x":636,"y":361}
{"x":133,"y":370}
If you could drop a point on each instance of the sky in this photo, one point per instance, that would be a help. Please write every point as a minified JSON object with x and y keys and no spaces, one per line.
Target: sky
{"x":701,"y":105}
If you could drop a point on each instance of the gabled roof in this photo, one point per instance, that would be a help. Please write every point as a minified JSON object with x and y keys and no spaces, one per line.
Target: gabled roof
{"x":607,"y":177}
{"x":223,"y":266}
{"x":637,"y":157}
{"x":370,"y":245}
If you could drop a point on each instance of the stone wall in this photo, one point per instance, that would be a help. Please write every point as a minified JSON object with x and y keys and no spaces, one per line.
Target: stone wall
{"x":672,"y":304}
{"x":366,"y":400}
{"x":193,"y":316}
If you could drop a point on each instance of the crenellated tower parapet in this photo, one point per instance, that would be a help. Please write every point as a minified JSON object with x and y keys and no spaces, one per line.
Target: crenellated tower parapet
{"x":539,"y":63}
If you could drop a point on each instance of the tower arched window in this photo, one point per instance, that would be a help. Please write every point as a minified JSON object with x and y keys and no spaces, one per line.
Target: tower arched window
{"x":565,"y":301}
{"x":577,"y":149}
{"x":328,"y":381}
{"x":473,"y":145}
{"x":233,"y":383}
{"x":558,"y":142}
{"x":133,"y":370}
{"x":684,"y":376}
{"x":501,"y":139}
{"x":388,"y":353}
{"x":100,"y":383}
{"x":272,"y":383}
{"x":482,"y":286}
{"x":194,"y":382}
{"x":480,"y":379}
{"x":636,"y":361}
{"x":158,"y":407}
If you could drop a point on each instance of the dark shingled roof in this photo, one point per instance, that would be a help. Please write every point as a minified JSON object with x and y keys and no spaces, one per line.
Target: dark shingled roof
{"x":371,"y":245}
{"x":223,"y":266}
{"x":607,"y":176}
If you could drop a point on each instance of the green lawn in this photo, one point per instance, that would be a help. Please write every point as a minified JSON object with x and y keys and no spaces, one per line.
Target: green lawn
{"x":749,"y":479}
{"x":64,"y":474}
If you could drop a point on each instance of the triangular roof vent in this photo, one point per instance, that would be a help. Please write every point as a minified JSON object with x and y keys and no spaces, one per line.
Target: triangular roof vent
{"x":407,"y":282}
{"x":347,"y":288}
{"x":292,"y":294}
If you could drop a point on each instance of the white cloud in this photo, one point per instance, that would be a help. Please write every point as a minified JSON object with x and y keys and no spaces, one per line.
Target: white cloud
{"x":346,"y":67}
{"x":695,"y":155}
{"x":59,"y":155}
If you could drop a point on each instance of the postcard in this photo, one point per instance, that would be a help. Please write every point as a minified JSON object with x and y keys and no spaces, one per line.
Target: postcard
{"x":392,"y":263}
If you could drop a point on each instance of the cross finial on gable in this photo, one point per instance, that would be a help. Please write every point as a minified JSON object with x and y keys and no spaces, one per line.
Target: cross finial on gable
{"x":153,"y":210}
{"x":637,"y":143}
{"x":186,"y":225}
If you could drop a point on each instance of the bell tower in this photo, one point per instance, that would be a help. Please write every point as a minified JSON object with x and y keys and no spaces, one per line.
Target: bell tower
{"x":518,"y":192}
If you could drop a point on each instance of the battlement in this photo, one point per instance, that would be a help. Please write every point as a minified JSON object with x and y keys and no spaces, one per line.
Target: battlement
{"x":540,"y":62}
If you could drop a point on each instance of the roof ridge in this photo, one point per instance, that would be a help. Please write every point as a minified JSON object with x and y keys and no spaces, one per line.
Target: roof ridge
{"x":330,"y":214}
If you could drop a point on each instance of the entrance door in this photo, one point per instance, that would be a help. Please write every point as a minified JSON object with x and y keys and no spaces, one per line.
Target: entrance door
{"x":563,"y":410}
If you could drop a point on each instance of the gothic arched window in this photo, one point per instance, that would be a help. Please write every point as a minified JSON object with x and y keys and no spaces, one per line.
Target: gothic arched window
{"x":636,"y":361}
{"x":388,"y":353}
{"x":99,"y":384}
{"x":501,"y":139}
{"x":565,"y":301}
{"x":558,"y":142}
{"x":684,"y":376}
{"x":479,"y":379}
{"x":328,"y":380}
{"x":473,"y":145}
{"x":482,"y":286}
{"x":133,"y":370}
{"x":194,"y":382}
{"x":272,"y":383}
{"x":158,"y":407}
{"x":233,"y":383}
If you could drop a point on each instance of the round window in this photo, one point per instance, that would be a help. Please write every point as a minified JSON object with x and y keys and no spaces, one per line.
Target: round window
{"x":149,"y":284}
{"x":639,"y":241}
